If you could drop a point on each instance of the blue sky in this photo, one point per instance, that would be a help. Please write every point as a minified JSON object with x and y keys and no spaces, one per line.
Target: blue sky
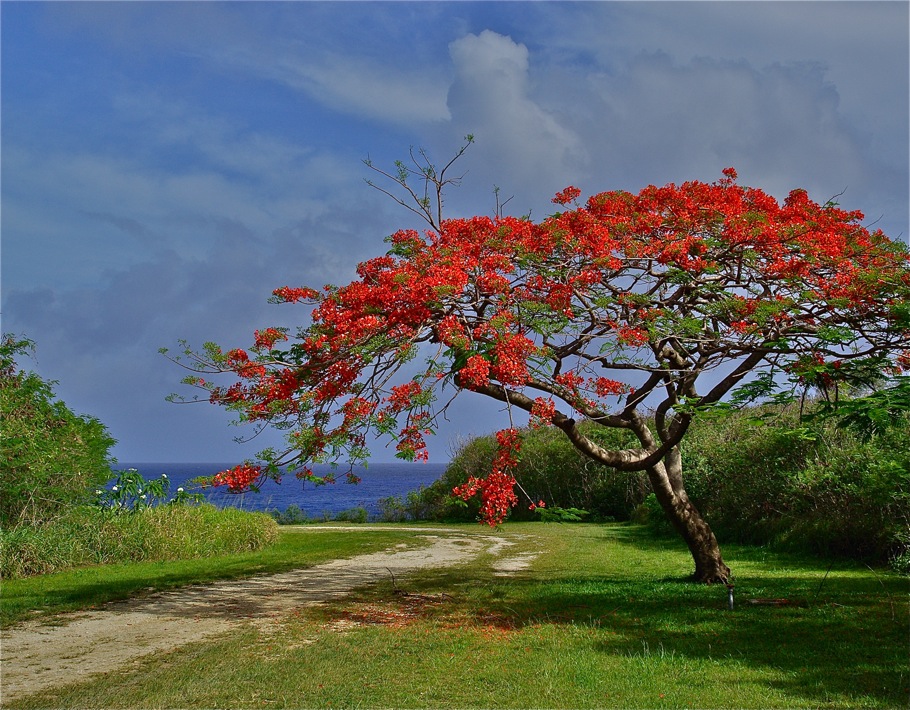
{"x":166,"y":165}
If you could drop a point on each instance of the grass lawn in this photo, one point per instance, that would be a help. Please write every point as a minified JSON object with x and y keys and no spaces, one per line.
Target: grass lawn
{"x":603,"y":617}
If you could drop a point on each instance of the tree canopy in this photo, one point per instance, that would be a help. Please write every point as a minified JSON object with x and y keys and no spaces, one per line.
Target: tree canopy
{"x":633,"y":311}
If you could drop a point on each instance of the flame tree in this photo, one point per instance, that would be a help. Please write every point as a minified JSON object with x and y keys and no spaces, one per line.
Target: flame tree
{"x":631,"y":311}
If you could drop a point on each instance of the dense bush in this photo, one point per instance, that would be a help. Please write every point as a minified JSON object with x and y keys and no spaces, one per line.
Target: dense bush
{"x":51,"y":458}
{"x":815,"y":485}
{"x":550,"y":469}
{"x":761,"y":476}
{"x":89,"y":535}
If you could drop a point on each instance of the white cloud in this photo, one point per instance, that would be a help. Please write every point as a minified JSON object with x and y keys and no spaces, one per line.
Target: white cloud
{"x":293,"y":44}
{"x":364,"y":88}
{"x":491,"y":97}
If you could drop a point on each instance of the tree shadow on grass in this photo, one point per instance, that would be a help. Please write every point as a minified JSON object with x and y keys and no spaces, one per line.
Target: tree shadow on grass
{"x":824,"y":631}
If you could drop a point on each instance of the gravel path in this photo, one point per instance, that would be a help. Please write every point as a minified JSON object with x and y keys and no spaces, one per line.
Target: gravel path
{"x":35,"y":655}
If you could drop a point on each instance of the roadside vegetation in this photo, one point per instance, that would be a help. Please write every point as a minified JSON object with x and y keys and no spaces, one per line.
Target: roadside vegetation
{"x":90,"y":586}
{"x":602,"y":617}
{"x":88,"y":536}
{"x":56,"y":510}
{"x":765,"y":476}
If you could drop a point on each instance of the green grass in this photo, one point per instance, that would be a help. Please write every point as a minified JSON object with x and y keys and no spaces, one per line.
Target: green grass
{"x":86,"y":535}
{"x":603,"y":618}
{"x":88,"y":587}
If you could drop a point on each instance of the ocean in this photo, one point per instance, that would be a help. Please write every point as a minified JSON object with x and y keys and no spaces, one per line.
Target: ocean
{"x":378,"y":480}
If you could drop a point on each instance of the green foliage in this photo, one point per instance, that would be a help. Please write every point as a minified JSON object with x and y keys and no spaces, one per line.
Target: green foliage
{"x":550,"y":469}
{"x":813,"y":485}
{"x":561,"y":515}
{"x":353,"y":515}
{"x":87,"y":535}
{"x":51,"y":458}
{"x":873,"y":414}
{"x":292,"y":515}
{"x":426,"y":503}
{"x":131,"y":492}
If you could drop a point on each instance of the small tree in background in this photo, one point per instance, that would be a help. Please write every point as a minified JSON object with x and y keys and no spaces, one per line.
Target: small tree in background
{"x":620,"y":311}
{"x":50,"y":458}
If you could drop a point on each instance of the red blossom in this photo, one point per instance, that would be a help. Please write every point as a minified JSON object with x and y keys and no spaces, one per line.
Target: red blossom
{"x":266,"y":339}
{"x":564,"y":197}
{"x":605,"y":387}
{"x":239,"y":478}
{"x":293,"y":295}
{"x":543,"y":410}
{"x":402,"y":396}
{"x":476,"y":373}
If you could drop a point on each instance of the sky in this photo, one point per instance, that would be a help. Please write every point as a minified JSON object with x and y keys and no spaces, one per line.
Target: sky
{"x":166,"y":165}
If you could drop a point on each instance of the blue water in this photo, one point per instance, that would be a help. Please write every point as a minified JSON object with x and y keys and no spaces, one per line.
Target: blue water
{"x":379,"y":480}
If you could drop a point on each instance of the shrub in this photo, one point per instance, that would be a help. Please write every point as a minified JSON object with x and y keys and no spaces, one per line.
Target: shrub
{"x":52,"y":458}
{"x":292,"y":515}
{"x":814,"y":486}
{"x":433,"y":502}
{"x":353,"y":515}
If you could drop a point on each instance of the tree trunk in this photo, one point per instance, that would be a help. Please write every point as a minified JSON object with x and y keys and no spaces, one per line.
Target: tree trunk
{"x":666,"y":480}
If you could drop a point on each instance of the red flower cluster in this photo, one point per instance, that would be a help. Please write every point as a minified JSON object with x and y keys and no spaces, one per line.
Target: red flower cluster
{"x":542,"y":412}
{"x":411,"y":443}
{"x":266,"y":339}
{"x":476,"y":373}
{"x":293,"y":295}
{"x":402,"y":396}
{"x":497,"y":490}
{"x":497,"y":495}
{"x":239,"y":478}
{"x":564,"y":197}
{"x":606,"y":387}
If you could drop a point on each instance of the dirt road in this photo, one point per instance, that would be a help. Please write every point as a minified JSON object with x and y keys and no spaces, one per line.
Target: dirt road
{"x":35,"y":655}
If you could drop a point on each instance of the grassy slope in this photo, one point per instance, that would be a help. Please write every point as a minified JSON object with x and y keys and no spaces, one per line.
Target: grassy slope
{"x":603,"y":618}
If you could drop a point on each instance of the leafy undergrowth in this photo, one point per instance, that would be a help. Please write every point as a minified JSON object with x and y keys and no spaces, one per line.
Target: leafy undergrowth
{"x":603,"y":617}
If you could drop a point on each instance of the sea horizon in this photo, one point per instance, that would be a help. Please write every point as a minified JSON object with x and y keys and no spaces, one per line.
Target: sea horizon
{"x":378,"y":481}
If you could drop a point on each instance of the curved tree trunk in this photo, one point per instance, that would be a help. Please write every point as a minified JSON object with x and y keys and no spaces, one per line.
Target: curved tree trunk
{"x":666,"y":480}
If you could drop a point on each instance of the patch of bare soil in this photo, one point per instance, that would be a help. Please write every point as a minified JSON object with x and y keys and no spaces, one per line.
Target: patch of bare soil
{"x":35,"y":655}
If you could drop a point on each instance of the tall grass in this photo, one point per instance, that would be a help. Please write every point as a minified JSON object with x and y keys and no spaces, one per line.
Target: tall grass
{"x":89,"y":536}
